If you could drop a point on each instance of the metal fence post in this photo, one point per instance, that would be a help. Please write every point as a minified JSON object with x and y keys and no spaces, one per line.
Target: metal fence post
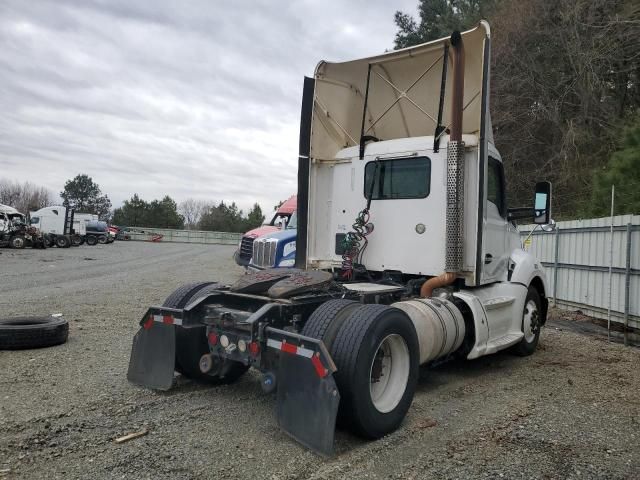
{"x":555,"y":267}
{"x":627,"y":282}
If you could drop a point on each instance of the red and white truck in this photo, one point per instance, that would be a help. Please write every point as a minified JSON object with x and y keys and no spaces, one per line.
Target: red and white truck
{"x":279,"y":221}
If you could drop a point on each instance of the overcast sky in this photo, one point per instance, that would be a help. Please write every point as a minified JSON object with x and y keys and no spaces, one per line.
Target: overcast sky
{"x":186,"y":98}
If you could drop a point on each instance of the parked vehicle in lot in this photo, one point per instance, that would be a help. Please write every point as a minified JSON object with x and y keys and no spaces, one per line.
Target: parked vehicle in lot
{"x":98,"y":232}
{"x":15,"y":233}
{"x":57,"y":225}
{"x":279,"y":221}
{"x":406,"y":253}
{"x":276,"y":249}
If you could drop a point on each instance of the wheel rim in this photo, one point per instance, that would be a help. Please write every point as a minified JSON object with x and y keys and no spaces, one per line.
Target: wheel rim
{"x":18,"y":242}
{"x":530,"y":323}
{"x":389,"y":373}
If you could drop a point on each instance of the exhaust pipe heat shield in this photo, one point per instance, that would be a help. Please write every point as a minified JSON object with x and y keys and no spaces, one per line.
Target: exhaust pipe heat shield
{"x":153,"y":357}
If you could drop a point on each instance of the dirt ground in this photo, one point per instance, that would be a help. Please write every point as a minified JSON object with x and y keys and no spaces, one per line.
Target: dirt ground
{"x":572,"y":410}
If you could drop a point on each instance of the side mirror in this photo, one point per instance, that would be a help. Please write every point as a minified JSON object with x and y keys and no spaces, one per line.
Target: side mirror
{"x":549,"y":227}
{"x":542,"y":204}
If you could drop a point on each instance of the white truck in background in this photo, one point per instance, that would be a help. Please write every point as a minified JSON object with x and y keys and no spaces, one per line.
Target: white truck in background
{"x":65,"y":227}
{"x":406,"y":253}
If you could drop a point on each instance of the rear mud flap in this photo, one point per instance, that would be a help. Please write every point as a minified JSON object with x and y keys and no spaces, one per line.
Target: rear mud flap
{"x":153,"y":357}
{"x":307,"y":404}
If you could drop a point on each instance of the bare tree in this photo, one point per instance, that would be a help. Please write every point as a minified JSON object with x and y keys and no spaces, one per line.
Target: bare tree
{"x":25,"y":196}
{"x":192,"y":210}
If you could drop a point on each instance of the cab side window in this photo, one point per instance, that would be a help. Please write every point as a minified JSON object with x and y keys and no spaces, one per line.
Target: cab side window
{"x":495,"y":185}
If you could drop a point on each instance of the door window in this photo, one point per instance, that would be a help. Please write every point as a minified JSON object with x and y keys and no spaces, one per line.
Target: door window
{"x":398,"y":178}
{"x":495,"y":187}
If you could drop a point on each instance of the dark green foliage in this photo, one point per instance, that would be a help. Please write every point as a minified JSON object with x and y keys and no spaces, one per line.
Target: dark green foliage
{"x":565,"y":78}
{"x":85,"y":196}
{"x":438,"y":18}
{"x":228,"y":218}
{"x":623,"y":171}
{"x":157,"y":213}
{"x":255,"y":217}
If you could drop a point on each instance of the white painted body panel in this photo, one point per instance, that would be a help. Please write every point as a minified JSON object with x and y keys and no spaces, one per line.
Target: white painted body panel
{"x":497,"y":310}
{"x":50,"y":219}
{"x":526,"y":267}
{"x":337,"y":192}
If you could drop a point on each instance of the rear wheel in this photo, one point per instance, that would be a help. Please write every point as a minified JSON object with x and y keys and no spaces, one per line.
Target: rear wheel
{"x":327,"y":319}
{"x":91,"y":240}
{"x":377,"y":355}
{"x":102,"y":239}
{"x":192,"y":344}
{"x":76,"y":240}
{"x":18,"y":242}
{"x":62,"y":241}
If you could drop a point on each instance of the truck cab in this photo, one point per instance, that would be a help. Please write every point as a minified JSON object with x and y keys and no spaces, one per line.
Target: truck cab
{"x":276,"y":249}
{"x":406,"y":252}
{"x":279,"y":221}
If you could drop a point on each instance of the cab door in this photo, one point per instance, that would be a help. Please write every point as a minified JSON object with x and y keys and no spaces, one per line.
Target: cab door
{"x":495,"y":254}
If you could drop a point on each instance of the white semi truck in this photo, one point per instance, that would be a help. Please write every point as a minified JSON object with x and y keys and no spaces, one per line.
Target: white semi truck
{"x":65,"y":227}
{"x":407,"y":253}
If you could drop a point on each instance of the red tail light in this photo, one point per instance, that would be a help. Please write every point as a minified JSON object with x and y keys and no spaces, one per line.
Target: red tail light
{"x":254,"y":348}
{"x":213,"y":338}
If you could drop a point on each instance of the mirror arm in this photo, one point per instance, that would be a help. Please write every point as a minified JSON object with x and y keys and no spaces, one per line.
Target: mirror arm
{"x":520,"y":213}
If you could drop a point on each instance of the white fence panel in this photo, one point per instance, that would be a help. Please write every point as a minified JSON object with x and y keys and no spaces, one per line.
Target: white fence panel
{"x":576,"y":257}
{"x":182,"y":236}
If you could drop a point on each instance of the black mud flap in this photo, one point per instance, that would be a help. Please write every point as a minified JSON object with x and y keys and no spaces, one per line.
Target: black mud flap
{"x":153,"y":357}
{"x":307,"y":403}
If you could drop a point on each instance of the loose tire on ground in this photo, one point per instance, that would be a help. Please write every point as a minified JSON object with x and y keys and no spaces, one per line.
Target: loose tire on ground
{"x":192,"y":343}
{"x":62,"y":241}
{"x":91,"y":240}
{"x":32,"y":332}
{"x":18,"y":242}
{"x":531,"y":324}
{"x":325,"y":322}
{"x":356,"y":353}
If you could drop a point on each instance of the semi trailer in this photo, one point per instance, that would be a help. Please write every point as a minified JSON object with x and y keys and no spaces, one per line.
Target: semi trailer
{"x":406,"y":253}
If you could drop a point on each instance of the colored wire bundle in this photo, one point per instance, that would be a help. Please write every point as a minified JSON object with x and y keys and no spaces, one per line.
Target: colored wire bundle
{"x":355,"y":243}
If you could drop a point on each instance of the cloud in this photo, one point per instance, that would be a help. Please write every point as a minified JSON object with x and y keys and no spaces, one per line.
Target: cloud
{"x":188,"y":99}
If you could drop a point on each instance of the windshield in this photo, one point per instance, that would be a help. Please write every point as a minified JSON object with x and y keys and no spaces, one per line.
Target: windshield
{"x":293,"y":221}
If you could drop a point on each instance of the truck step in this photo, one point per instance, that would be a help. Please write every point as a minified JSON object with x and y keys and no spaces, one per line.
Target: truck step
{"x":503,"y":342}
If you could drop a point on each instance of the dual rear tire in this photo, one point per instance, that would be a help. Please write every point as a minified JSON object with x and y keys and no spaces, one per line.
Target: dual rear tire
{"x":375,"y":348}
{"x":192,"y":343}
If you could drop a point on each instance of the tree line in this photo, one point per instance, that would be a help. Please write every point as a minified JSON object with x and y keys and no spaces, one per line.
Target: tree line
{"x":191,"y":214}
{"x":25,"y":196}
{"x":85,"y":195}
{"x":565,"y":93}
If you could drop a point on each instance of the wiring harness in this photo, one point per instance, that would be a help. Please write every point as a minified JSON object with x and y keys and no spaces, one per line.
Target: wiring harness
{"x":355,"y":243}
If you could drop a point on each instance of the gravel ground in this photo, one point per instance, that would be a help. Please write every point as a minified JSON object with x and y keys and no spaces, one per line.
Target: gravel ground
{"x":572,"y":410}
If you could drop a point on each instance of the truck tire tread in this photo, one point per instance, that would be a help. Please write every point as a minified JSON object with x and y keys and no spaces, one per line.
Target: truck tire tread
{"x":350,"y":342}
{"x":326,"y":320}
{"x":186,"y":361}
{"x":32,"y":332}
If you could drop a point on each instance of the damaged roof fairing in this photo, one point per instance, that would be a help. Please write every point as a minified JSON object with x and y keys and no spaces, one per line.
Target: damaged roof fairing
{"x":403,"y":94}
